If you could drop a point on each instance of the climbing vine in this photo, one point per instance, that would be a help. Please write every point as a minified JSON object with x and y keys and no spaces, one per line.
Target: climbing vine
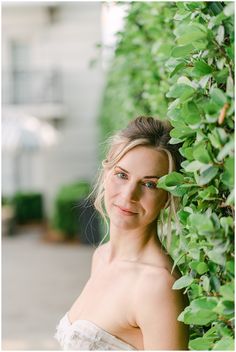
{"x":175,"y":61}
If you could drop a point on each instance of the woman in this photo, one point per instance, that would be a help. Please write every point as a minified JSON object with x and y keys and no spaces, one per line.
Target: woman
{"x":128,"y":303}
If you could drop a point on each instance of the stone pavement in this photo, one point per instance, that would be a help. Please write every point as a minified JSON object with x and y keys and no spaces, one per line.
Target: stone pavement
{"x":40,"y":281}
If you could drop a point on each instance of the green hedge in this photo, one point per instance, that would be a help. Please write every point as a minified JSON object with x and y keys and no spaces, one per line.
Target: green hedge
{"x":175,"y":60}
{"x":28,"y":207}
{"x":6,"y":200}
{"x":66,"y":215}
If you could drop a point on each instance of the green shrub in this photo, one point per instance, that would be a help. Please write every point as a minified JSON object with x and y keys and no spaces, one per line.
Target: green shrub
{"x":175,"y":60}
{"x":28,"y":207}
{"x":66,"y":207}
{"x":6,"y":200}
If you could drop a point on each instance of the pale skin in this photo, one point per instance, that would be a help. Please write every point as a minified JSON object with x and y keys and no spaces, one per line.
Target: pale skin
{"x":129,"y":293}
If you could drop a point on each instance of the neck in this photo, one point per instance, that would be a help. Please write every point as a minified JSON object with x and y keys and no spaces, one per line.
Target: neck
{"x":131,"y":245}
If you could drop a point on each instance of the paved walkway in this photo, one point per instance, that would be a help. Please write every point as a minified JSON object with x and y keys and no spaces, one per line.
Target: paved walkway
{"x":40,"y":281}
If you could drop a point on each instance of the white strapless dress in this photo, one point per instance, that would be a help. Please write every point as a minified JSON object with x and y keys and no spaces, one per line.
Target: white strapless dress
{"x":87,"y":336}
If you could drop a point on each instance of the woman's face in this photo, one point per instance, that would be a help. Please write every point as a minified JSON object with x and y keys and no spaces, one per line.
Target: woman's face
{"x":131,"y":197}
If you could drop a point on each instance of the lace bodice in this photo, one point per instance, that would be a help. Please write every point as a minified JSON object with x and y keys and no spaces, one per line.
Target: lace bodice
{"x":85,"y":335}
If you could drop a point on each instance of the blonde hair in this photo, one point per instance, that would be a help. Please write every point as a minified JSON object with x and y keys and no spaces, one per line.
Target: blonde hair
{"x":145,"y":131}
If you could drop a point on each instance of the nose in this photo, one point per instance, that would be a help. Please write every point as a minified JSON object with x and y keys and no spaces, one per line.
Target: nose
{"x":131,"y":192}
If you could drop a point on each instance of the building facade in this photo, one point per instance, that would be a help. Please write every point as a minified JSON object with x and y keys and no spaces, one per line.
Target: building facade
{"x":47,"y":50}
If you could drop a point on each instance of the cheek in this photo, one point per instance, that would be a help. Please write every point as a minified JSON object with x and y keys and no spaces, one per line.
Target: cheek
{"x":113,"y":184}
{"x":157,"y":201}
{"x":111,"y":188}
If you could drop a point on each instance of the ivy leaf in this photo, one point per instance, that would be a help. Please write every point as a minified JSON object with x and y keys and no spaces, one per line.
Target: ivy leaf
{"x":207,"y":303}
{"x":226,"y":150}
{"x":193,"y":166}
{"x":181,"y":15}
{"x":205,"y":283}
{"x":186,"y":152}
{"x":193,"y":5}
{"x":230,"y":87}
{"x":191,"y":113}
{"x":200,"y":344}
{"x":174,"y":141}
{"x":201,"y":223}
{"x":181,"y":91}
{"x":201,"y":68}
{"x":217,"y":256}
{"x":227,"y":291}
{"x":182,"y":50}
{"x":194,"y":253}
{"x":200,"y":44}
{"x":202,"y":268}
{"x":228,"y":175}
{"x":201,"y":317}
{"x":171,"y":63}
{"x":226,"y":223}
{"x":225,"y":344}
{"x":230,"y":198}
{"x":200,"y":153}
{"x":218,"y":96}
{"x":180,"y":129}
{"x":221,"y":76}
{"x":189,"y":33}
{"x":215,"y":283}
{"x":204,"y":80}
{"x":218,"y":137}
{"x":220,"y":35}
{"x":170,"y":181}
{"x":229,"y":9}
{"x":225,"y":308}
{"x":182,"y":282}
{"x":230,"y":266}
{"x":174,"y":114}
{"x":177,"y":68}
{"x":209,"y":193}
{"x":173,"y":179}
{"x":216,"y":20}
{"x":183,"y":215}
{"x":207,"y":175}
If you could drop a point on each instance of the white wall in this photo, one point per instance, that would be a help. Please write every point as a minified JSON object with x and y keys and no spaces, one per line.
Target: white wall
{"x":68,"y":45}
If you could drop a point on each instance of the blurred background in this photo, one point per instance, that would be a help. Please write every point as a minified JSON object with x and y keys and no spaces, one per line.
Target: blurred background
{"x":55,"y":58}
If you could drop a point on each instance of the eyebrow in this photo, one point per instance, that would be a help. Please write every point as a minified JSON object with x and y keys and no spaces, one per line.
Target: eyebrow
{"x":128,"y":172}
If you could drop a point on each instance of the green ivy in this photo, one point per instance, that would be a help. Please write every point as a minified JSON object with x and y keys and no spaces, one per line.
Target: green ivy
{"x":175,"y":60}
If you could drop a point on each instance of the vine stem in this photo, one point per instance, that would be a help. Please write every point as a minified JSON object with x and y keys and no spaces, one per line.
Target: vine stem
{"x":223,"y":113}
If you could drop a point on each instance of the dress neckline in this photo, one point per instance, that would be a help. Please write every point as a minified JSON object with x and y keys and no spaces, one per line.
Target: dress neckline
{"x":98,"y":328}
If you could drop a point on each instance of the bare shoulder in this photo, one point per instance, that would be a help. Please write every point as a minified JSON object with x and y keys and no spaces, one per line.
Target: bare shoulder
{"x":155,"y":280}
{"x":157,"y":307}
{"x":158,"y":283}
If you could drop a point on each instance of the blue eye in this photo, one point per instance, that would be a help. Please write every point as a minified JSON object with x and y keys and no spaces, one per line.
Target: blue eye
{"x":150,"y":184}
{"x":121,"y":175}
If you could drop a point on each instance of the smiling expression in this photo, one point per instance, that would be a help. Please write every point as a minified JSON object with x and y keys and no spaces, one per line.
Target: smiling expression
{"x":131,"y":197}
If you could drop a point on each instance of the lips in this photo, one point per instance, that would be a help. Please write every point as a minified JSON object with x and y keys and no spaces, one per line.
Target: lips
{"x":126,"y":211}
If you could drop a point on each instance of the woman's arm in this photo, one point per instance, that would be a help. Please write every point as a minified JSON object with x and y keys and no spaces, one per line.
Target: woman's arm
{"x":157,"y":307}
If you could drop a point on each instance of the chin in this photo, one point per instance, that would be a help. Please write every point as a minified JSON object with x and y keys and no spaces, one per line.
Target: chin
{"x":122,"y":225}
